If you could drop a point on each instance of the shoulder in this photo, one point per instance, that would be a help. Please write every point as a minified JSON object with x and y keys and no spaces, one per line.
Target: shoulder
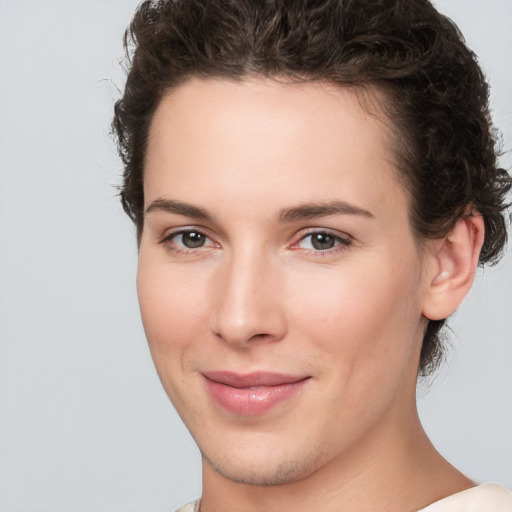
{"x":193,"y":506}
{"x":482,"y":498}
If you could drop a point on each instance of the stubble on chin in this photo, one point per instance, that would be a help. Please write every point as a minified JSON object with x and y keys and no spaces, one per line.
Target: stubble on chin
{"x":270,"y":474}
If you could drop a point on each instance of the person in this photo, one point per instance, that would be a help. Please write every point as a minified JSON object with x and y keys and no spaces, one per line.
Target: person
{"x":313,"y":185}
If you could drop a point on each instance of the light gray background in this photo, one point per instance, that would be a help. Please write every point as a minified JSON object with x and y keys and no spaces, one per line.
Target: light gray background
{"x":84,"y":424}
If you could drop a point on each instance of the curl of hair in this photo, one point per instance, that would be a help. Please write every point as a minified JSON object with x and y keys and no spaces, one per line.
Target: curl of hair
{"x":437,"y":96}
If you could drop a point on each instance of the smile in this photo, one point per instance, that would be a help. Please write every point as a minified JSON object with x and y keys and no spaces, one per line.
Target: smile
{"x":252,"y":394}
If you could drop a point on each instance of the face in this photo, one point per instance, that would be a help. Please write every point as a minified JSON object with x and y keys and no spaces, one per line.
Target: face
{"x":279,"y":280}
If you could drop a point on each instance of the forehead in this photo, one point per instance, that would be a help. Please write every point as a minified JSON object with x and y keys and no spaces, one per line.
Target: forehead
{"x":221,"y":103}
{"x":308,"y":141}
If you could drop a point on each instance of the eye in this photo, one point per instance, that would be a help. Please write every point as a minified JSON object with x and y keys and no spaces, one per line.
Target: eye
{"x":186,"y":240}
{"x":322,"y":241}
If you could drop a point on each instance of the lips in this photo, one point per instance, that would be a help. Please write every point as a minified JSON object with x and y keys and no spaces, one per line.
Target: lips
{"x":252,"y":394}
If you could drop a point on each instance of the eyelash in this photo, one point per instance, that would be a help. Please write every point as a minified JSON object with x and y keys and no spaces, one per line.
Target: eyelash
{"x":341,"y":242}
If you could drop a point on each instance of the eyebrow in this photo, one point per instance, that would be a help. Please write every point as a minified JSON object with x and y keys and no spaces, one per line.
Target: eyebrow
{"x":178,"y":207}
{"x":314,"y":210}
{"x":292,"y":214}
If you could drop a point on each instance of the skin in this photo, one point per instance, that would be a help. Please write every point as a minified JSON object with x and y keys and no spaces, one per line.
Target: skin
{"x":259,"y":296}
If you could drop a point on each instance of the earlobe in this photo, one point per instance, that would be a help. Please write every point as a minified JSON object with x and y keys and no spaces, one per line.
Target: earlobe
{"x":452,"y":266}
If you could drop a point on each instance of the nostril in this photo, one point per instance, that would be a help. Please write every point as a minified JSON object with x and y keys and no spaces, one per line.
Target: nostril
{"x":258,"y":336}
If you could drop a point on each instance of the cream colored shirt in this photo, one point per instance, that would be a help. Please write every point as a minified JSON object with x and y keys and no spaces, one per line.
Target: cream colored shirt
{"x":483,"y":498}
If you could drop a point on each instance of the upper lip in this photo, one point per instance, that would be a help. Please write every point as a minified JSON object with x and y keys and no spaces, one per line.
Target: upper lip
{"x":238,"y":380}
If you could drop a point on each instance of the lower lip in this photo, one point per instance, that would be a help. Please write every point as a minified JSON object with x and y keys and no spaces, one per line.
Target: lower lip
{"x":252,"y":401}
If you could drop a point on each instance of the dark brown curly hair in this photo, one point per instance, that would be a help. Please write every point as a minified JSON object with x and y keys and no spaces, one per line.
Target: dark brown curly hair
{"x":437,"y":94}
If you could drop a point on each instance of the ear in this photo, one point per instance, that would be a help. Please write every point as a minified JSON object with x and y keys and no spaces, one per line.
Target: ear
{"x":451,"y":268}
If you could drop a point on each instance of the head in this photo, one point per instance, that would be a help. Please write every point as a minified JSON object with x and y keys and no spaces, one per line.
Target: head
{"x":302,"y":176}
{"x":434,"y":97}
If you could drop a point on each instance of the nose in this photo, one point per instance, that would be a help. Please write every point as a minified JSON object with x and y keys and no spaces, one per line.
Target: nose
{"x":248,"y":306}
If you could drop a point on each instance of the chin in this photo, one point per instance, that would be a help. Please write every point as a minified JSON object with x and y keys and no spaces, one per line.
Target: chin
{"x":283,"y":473}
{"x":263,"y":469}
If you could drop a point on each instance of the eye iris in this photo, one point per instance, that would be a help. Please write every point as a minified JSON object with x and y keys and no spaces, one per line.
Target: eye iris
{"x":192,"y":239}
{"x":321,"y":241}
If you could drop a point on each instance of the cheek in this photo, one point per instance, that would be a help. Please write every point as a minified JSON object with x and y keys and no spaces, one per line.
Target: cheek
{"x":173,"y":308}
{"x":366,"y":311}
{"x":171,"y":304}
{"x":359,"y":325}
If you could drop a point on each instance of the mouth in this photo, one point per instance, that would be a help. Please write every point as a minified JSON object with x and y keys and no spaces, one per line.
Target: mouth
{"x":252,"y":394}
